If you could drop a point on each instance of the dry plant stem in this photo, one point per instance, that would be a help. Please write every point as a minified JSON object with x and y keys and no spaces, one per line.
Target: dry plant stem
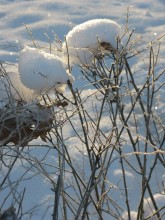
{"x":86,"y":212}
{"x":125,"y":185}
{"x":148,"y":112}
{"x":58,"y":187}
{"x":68,"y":55}
{"x":149,"y":217}
{"x":93,"y":143}
{"x":82,"y":117}
{"x":76,"y":175}
{"x":147,"y":181}
{"x":95,"y":135}
{"x":146,"y":117}
{"x":31,"y":35}
{"x":80,"y":113}
{"x":19,"y":212}
{"x":85,"y":202}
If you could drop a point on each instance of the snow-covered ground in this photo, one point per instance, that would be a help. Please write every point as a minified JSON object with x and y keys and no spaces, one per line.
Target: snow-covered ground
{"x":45,"y":19}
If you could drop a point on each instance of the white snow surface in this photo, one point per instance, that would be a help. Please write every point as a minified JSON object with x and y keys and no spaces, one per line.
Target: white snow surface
{"x":42,"y":71}
{"x":83,"y":40}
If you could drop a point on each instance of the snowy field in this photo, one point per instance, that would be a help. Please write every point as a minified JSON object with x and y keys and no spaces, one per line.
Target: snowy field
{"x":45,"y":19}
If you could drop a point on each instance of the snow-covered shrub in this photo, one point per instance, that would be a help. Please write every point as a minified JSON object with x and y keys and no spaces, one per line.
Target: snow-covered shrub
{"x":105,"y":140}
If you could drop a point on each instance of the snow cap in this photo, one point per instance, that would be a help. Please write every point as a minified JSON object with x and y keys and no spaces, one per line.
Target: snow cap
{"x":42,"y":71}
{"x":84,"y":38}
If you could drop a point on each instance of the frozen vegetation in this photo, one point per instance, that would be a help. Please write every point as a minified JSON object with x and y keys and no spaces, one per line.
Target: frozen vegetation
{"x":98,"y":147}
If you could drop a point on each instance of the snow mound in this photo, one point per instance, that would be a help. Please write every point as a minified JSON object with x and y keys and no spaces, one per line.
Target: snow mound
{"x":84,"y":39}
{"x":11,"y":88}
{"x":42,"y":71}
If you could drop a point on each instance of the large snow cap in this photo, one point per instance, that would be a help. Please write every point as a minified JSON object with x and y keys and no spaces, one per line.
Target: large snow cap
{"x":87,"y":35}
{"x":42,"y":71}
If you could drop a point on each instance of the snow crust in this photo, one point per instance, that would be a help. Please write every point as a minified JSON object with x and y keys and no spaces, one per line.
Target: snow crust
{"x":83,"y":40}
{"x":42,"y":71}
